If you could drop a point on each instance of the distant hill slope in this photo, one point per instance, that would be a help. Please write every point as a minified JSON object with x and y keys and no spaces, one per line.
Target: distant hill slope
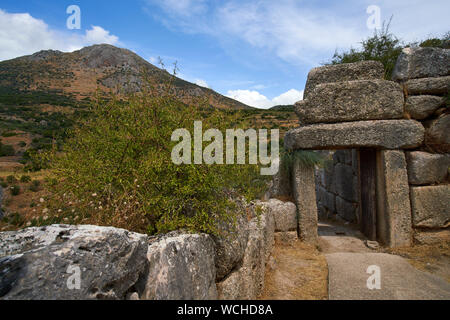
{"x":289,"y":108}
{"x":79,"y":74}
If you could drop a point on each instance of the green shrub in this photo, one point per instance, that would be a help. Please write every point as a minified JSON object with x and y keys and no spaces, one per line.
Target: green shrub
{"x":6,"y":150}
{"x":35,"y":184}
{"x":3,"y":184}
{"x":22,"y":144}
{"x":117,"y":167}
{"x":11,"y":179}
{"x":383,"y":46}
{"x":25,"y":179}
{"x":15,"y":190}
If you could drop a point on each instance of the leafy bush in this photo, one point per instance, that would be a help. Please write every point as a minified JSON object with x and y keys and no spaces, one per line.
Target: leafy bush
{"x":6,"y":150}
{"x":383,"y":46}
{"x":11,"y":179}
{"x":25,"y":179}
{"x":35,"y":184}
{"x":15,"y":190}
{"x":117,"y":168}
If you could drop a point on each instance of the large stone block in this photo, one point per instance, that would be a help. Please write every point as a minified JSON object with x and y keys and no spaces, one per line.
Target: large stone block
{"x":430,"y":206}
{"x":437,"y":135}
{"x":393,"y":204}
{"x":352,"y":101}
{"x":181,"y":267}
{"x":419,"y":62}
{"x":421,"y":107}
{"x":304,"y":192}
{"x":40,"y":263}
{"x":364,"y":70}
{"x":230,"y":246}
{"x":387,"y":134}
{"x":284,"y":213}
{"x":247,"y":282}
{"x":427,"y":168}
{"x":428,"y":86}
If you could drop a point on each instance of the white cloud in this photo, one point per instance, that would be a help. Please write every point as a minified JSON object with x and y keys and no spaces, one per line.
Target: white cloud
{"x":21,"y":34}
{"x":290,"y":97}
{"x":202,"y":83}
{"x":302,"y":32}
{"x":255,"y":99}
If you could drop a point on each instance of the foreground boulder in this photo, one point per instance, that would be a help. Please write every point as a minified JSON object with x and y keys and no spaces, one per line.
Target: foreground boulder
{"x":387,"y":134}
{"x":430,"y":206}
{"x":437,"y":136}
{"x":181,"y":267}
{"x":44,"y":263}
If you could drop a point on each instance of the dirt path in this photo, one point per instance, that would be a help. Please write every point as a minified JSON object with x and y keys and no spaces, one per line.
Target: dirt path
{"x":296,"y":272}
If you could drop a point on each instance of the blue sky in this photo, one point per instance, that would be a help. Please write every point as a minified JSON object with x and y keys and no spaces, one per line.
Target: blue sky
{"x":258,"y":52}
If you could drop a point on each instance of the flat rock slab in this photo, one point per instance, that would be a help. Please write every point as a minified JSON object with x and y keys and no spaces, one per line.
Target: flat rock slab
{"x":386,"y":134}
{"x":419,"y":62}
{"x":363,"y":70}
{"x":439,"y":85}
{"x":352,"y":101}
{"x":399,"y":280}
{"x":430,"y":206}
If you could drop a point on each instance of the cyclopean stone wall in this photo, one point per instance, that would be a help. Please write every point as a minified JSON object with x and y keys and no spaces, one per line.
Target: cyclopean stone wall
{"x":43,"y":263}
{"x":407,"y":121}
{"x":424,"y":74}
{"x":337,"y":187}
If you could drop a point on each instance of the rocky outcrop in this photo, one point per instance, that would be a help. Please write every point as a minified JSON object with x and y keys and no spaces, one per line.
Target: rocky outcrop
{"x":247,"y":281}
{"x":388,"y":134}
{"x":180,"y":267}
{"x":420,"y":62}
{"x":352,"y":101}
{"x":230,"y":246}
{"x":427,"y":168}
{"x":430,"y":207}
{"x":44,"y":263}
{"x":364,"y":70}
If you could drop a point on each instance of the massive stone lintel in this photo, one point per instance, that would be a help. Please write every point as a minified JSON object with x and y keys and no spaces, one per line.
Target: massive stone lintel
{"x":364,"y":70}
{"x":383,"y":134}
{"x":352,"y":101}
{"x":416,"y":63}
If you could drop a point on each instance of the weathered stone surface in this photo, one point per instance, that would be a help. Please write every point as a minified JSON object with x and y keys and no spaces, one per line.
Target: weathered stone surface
{"x":247,"y":282}
{"x":437,"y":135}
{"x":419,"y":62}
{"x":343,"y":156}
{"x":352,"y":101}
{"x":421,"y":107}
{"x":430,"y":206}
{"x":304,"y":192}
{"x":286,"y":237}
{"x":346,"y":209}
{"x":181,"y":267}
{"x":284,"y":213}
{"x":345,"y":183}
{"x":38,"y":263}
{"x":432,"y":236}
{"x":280,"y":185}
{"x":428,"y":86}
{"x":394,"y":209}
{"x":427,"y":168}
{"x":364,"y":70}
{"x":328,"y":200}
{"x":230,"y":246}
{"x":388,"y":134}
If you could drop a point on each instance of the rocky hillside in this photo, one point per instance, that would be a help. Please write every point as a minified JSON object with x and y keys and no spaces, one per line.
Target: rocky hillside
{"x":77,"y":75}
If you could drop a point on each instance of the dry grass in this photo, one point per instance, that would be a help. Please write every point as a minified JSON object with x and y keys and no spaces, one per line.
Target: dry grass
{"x":300,"y":273}
{"x":429,"y":258}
